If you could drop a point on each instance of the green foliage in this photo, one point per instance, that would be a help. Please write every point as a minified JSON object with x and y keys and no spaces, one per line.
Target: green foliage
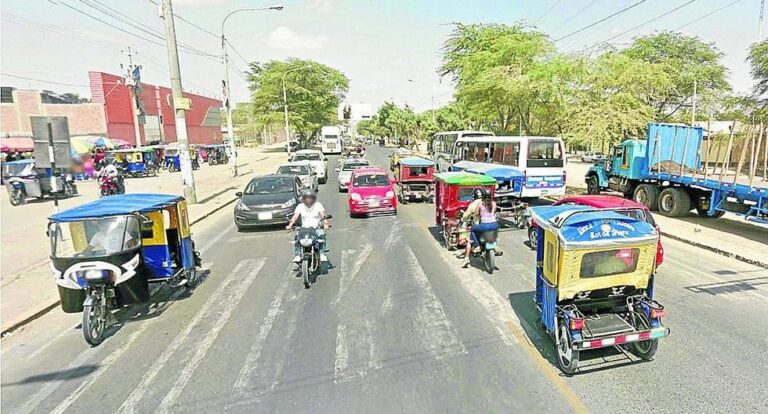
{"x":314,"y":91}
{"x":758,"y":62}
{"x":684,"y":59}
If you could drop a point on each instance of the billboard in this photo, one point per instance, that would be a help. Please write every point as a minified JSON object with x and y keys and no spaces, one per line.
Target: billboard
{"x":61,"y":148}
{"x":354,"y":112}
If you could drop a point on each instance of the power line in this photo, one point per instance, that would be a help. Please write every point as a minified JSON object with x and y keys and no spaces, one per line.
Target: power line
{"x":639,"y":25}
{"x":633,"y":5}
{"x":581,"y":10}
{"x":707,"y":15}
{"x":44,"y":80}
{"x":547,"y":12}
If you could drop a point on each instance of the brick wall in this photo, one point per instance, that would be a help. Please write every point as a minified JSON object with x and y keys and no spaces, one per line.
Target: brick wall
{"x":86,"y":118}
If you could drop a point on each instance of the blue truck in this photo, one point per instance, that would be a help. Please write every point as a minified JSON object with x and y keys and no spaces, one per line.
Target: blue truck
{"x":665,"y":172}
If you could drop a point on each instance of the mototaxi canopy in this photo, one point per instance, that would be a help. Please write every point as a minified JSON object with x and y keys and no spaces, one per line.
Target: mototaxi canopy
{"x":117,"y":205}
{"x":416,"y":162}
{"x":583,"y":226}
{"x":464,"y":178}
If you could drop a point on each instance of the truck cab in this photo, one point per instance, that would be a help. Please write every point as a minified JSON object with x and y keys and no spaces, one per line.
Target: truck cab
{"x":625,"y":164}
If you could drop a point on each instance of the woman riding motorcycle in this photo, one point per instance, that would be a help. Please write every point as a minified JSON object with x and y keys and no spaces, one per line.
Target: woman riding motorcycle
{"x":313,"y":216}
{"x":482,"y":212}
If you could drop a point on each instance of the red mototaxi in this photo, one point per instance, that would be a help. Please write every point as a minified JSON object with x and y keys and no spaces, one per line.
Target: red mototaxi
{"x":453,"y":194}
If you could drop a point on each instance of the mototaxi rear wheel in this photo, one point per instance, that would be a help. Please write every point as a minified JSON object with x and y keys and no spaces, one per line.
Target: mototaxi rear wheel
{"x":567,"y":357}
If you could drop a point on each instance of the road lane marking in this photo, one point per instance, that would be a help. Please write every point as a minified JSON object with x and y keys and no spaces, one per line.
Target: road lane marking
{"x":130,"y":403}
{"x":342,"y":353}
{"x":252,"y":359}
{"x":347,"y":273}
{"x":229,"y":305}
{"x":437,"y":332}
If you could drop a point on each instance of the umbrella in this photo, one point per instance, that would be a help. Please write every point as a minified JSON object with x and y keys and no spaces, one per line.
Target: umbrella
{"x":120,"y":143}
{"x":104,"y":142}
{"x":81,"y":145}
{"x":17,"y":144}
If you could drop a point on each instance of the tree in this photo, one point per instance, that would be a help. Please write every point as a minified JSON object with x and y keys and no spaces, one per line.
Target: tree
{"x":685,"y":59}
{"x":314,"y":93}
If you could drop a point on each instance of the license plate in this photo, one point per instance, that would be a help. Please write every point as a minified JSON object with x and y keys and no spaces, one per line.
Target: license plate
{"x":374,"y":203}
{"x":490,"y":246}
{"x":417,"y":195}
{"x":265,"y":216}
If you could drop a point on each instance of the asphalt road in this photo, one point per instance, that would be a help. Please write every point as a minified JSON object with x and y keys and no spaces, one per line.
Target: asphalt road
{"x":394,"y":326}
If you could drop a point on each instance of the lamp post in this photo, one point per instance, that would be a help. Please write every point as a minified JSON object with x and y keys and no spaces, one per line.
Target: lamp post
{"x":285,"y":108}
{"x":227,"y":96}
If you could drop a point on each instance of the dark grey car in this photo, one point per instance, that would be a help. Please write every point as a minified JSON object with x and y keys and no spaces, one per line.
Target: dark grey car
{"x":267,"y":200}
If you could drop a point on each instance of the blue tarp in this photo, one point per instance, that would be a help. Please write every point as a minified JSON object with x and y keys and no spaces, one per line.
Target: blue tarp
{"x":116,"y":206}
{"x":416,"y":162}
{"x":591,"y":226}
{"x":499,"y":173}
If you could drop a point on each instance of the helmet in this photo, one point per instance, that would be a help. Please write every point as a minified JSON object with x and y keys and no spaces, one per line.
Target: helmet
{"x":486,"y":194}
{"x":477,"y":193}
{"x":308,"y":193}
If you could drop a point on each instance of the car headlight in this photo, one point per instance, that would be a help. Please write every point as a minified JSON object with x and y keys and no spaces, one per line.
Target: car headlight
{"x":390,"y":194}
{"x":290,"y":203}
{"x":355,"y":197}
{"x":241,"y":207}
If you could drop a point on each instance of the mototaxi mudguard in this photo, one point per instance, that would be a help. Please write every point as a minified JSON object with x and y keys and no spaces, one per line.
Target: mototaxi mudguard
{"x":131,"y":291}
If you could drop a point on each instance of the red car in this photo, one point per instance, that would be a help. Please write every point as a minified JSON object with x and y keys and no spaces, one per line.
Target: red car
{"x":602,"y":201}
{"x":371,"y":190}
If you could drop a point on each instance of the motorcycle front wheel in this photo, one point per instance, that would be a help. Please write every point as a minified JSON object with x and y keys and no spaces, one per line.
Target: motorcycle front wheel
{"x":95,"y":319}
{"x":305,"y":273}
{"x":490,"y":261}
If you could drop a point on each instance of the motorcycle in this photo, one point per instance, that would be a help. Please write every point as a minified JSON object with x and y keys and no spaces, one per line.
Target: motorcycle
{"x":310,"y":252}
{"x":487,"y":240}
{"x":517,"y":215}
{"x":112,"y":185}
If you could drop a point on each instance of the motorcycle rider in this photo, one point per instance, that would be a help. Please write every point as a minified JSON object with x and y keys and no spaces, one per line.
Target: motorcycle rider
{"x":111,"y":174}
{"x":313,"y":216}
{"x":482,"y":212}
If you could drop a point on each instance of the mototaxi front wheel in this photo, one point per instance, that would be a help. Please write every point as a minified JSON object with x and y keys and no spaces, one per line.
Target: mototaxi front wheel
{"x":95,"y":319}
{"x":17,"y":197}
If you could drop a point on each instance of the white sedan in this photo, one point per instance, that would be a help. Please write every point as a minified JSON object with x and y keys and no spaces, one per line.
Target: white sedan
{"x":345,"y":172}
{"x":303,"y":170}
{"x":314,"y":158}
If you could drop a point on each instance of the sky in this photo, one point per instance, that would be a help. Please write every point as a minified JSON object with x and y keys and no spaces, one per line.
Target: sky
{"x":389,"y":49}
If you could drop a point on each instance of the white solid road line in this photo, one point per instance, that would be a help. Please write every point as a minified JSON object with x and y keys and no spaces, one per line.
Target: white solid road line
{"x":240,"y":287}
{"x":130,"y":403}
{"x":252,"y":360}
{"x":436,"y":331}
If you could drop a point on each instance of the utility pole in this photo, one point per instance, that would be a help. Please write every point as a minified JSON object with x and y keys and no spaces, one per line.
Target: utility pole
{"x":132,"y":80}
{"x":180,"y":105}
{"x":228,"y":106}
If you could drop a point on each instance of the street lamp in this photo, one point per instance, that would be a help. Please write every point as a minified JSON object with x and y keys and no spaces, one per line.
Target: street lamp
{"x":285,"y":108}
{"x":227,"y":96}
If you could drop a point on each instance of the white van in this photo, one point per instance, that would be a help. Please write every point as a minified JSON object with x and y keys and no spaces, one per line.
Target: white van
{"x":330,"y":140}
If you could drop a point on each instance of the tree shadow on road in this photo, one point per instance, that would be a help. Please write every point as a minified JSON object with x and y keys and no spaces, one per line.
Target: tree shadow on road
{"x":62,"y":375}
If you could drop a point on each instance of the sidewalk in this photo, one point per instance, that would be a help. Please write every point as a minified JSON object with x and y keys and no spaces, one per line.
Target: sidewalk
{"x":27,"y":288}
{"x":729,"y":235}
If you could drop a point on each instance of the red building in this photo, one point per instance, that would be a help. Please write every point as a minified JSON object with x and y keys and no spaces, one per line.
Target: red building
{"x":203,"y":119}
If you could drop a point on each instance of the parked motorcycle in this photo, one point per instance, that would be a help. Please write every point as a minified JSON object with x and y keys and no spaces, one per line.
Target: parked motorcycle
{"x":310,"y":252}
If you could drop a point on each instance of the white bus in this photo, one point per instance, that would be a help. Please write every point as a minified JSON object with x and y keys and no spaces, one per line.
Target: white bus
{"x":441,"y":146}
{"x":330,"y":140}
{"x":541,"y":160}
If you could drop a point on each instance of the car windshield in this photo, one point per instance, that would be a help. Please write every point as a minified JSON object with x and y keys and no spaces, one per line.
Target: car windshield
{"x":94,"y":238}
{"x":306,"y":157}
{"x":294,"y":169}
{"x":371,"y":180}
{"x":349,"y":166}
{"x":269,"y":185}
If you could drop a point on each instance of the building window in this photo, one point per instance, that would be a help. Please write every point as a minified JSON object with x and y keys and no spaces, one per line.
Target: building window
{"x":6,"y":94}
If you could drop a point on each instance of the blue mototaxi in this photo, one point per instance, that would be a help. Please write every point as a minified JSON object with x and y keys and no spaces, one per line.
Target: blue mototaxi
{"x":509,"y":179}
{"x":171,"y":159}
{"x":106,"y":252}
{"x":136,"y":161}
{"x":595,"y":271}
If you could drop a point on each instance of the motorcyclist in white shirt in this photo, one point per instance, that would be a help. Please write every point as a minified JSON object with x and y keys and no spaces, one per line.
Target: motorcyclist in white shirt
{"x":312,"y":214}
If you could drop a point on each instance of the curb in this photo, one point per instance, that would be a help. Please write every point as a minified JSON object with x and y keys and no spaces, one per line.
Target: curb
{"x":718,"y":251}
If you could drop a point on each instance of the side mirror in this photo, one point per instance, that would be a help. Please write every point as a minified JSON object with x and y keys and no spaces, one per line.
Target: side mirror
{"x":239,"y":194}
{"x":328,"y":216}
{"x":325,"y":158}
{"x":337,"y":169}
{"x":313,"y":173}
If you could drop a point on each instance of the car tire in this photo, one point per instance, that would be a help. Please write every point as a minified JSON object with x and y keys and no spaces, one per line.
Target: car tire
{"x":674,"y":202}
{"x":593,"y":185}
{"x":647,"y":195}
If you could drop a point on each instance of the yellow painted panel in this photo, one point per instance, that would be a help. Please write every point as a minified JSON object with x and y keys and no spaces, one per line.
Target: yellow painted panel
{"x":551,"y":254}
{"x":183,"y":219}
{"x":157,"y":229}
{"x":571,"y":283}
{"x":134,"y":157}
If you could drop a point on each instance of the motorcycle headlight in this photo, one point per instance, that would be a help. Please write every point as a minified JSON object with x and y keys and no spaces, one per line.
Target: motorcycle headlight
{"x":290,"y":203}
{"x":95,"y":274}
{"x":390,"y":194}
{"x":241,"y":207}
{"x":355,"y":197}
{"x":305,"y":242}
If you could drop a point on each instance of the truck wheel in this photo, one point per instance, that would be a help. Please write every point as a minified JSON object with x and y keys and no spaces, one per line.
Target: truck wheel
{"x":674,"y":202}
{"x":593,"y":185}
{"x":647,"y":195}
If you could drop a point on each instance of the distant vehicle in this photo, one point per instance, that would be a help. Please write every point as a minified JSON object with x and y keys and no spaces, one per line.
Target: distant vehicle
{"x":292,"y":146}
{"x":441,"y":146}
{"x":316,"y":159}
{"x":330,"y":140}
{"x":303,"y":170}
{"x":346,"y":169}
{"x":592,"y":157}
{"x":604,"y":201}
{"x":348,"y":157}
{"x":267,"y":200}
{"x":371,"y":190}
{"x":666,"y":171}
